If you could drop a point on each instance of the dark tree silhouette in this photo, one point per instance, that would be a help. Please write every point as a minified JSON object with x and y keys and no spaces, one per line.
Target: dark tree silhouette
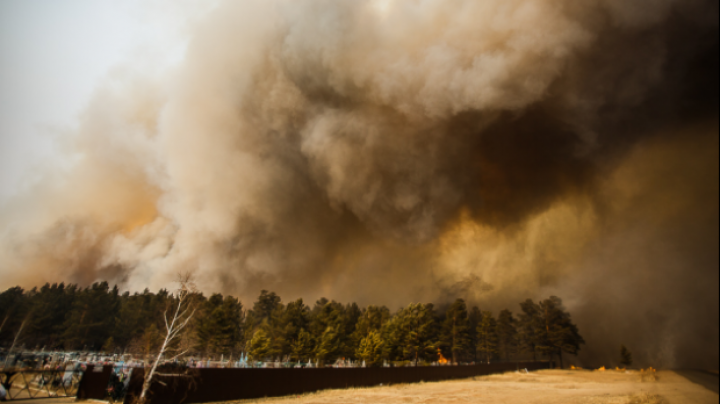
{"x":626,"y":358}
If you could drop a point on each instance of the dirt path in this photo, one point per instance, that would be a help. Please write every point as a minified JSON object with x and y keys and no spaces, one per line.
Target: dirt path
{"x":545,"y":387}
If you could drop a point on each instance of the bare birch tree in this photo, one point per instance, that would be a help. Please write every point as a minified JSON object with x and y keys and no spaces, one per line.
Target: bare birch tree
{"x":3,"y":323}
{"x":183,"y":311}
{"x":15,"y":341}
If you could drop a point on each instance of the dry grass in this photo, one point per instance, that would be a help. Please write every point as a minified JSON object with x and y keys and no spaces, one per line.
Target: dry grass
{"x":545,"y":387}
{"x":648,"y":375}
{"x":647,"y":398}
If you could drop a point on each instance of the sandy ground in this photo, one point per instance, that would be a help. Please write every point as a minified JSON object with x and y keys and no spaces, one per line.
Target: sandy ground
{"x":544,"y":387}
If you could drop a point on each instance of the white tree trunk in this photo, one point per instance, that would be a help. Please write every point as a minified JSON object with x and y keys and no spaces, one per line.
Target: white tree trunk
{"x":179,"y":321}
{"x":17,"y":336}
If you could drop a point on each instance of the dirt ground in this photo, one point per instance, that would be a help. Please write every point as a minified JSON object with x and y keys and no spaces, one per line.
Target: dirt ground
{"x":544,"y":387}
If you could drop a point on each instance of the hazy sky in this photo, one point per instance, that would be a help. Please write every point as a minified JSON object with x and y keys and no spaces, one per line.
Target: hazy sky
{"x":52,"y":56}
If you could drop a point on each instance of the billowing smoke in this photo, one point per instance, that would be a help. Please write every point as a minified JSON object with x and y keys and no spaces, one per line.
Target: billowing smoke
{"x":390,"y":151}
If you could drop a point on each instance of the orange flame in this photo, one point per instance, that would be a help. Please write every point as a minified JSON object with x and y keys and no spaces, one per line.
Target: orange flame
{"x":648,"y":374}
{"x":442,"y":359}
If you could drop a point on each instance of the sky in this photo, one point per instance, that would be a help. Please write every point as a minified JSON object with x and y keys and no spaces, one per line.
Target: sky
{"x":381,"y":151}
{"x":54,"y":56}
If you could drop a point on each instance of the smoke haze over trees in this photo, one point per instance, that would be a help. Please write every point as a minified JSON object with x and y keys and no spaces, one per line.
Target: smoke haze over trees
{"x":394,"y":151}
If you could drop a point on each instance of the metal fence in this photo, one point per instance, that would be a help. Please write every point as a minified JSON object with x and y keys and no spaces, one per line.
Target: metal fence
{"x":105,"y":383}
{"x":29,"y":384}
{"x":215,"y":385}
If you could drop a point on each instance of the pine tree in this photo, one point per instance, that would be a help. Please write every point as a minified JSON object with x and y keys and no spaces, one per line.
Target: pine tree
{"x":558,"y":333}
{"x":248,"y":329}
{"x":49,"y":307}
{"x":150,"y":340}
{"x":351,"y":319}
{"x":207,"y":328}
{"x":109,"y":346}
{"x":303,"y":347}
{"x":371,"y":319}
{"x":474,"y":320}
{"x":626,"y":358}
{"x":13,"y":308}
{"x":417,"y":332}
{"x":225,"y":323}
{"x":507,"y":334}
{"x":329,"y":315}
{"x":456,"y":336}
{"x":487,"y":335}
{"x":329,"y":345}
{"x":266,"y":307}
{"x":128,"y":324}
{"x":371,"y":349}
{"x":294,"y":321}
{"x":260,"y":346}
{"x":393,"y":334}
{"x":529,"y":327}
{"x":92,"y":318}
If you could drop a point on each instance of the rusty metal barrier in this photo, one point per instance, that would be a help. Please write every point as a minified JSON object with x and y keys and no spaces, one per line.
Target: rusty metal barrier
{"x":94,"y":384}
{"x":32,"y":384}
{"x":105,"y":383}
{"x":214,"y":385}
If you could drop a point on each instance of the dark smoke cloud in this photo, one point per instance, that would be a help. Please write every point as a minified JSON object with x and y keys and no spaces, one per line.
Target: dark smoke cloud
{"x":390,"y":151}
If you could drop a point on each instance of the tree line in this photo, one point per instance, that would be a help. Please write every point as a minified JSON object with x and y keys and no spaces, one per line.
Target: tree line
{"x":102,"y":319}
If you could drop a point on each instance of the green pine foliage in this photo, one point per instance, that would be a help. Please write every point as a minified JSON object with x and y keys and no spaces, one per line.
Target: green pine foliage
{"x":267,"y":306}
{"x":474,"y":319}
{"x":418,"y":333}
{"x":371,"y":319}
{"x":101,"y":318}
{"x":295,"y":320}
{"x":303,"y":348}
{"x":456,"y":332}
{"x":488,"y":337}
{"x":529,"y":327}
{"x":260,"y":347}
{"x":91,"y":318}
{"x":557,"y":333}
{"x":14,"y":304}
{"x":370,"y":350}
{"x":507,"y":334}
{"x":329,"y":345}
{"x":219,"y":330}
{"x":149,"y":342}
{"x":109,"y":345}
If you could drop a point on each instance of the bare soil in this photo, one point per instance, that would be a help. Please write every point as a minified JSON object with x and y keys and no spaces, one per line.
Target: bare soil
{"x":544,"y":387}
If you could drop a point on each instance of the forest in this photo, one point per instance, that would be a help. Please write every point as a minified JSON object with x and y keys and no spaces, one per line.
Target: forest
{"x":99,"y":318}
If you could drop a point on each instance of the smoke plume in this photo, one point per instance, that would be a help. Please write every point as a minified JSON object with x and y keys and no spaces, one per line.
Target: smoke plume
{"x":390,"y":151}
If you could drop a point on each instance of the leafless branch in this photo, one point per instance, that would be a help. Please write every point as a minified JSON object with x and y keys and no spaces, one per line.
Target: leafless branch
{"x":174,"y":327}
{"x":17,"y":337}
